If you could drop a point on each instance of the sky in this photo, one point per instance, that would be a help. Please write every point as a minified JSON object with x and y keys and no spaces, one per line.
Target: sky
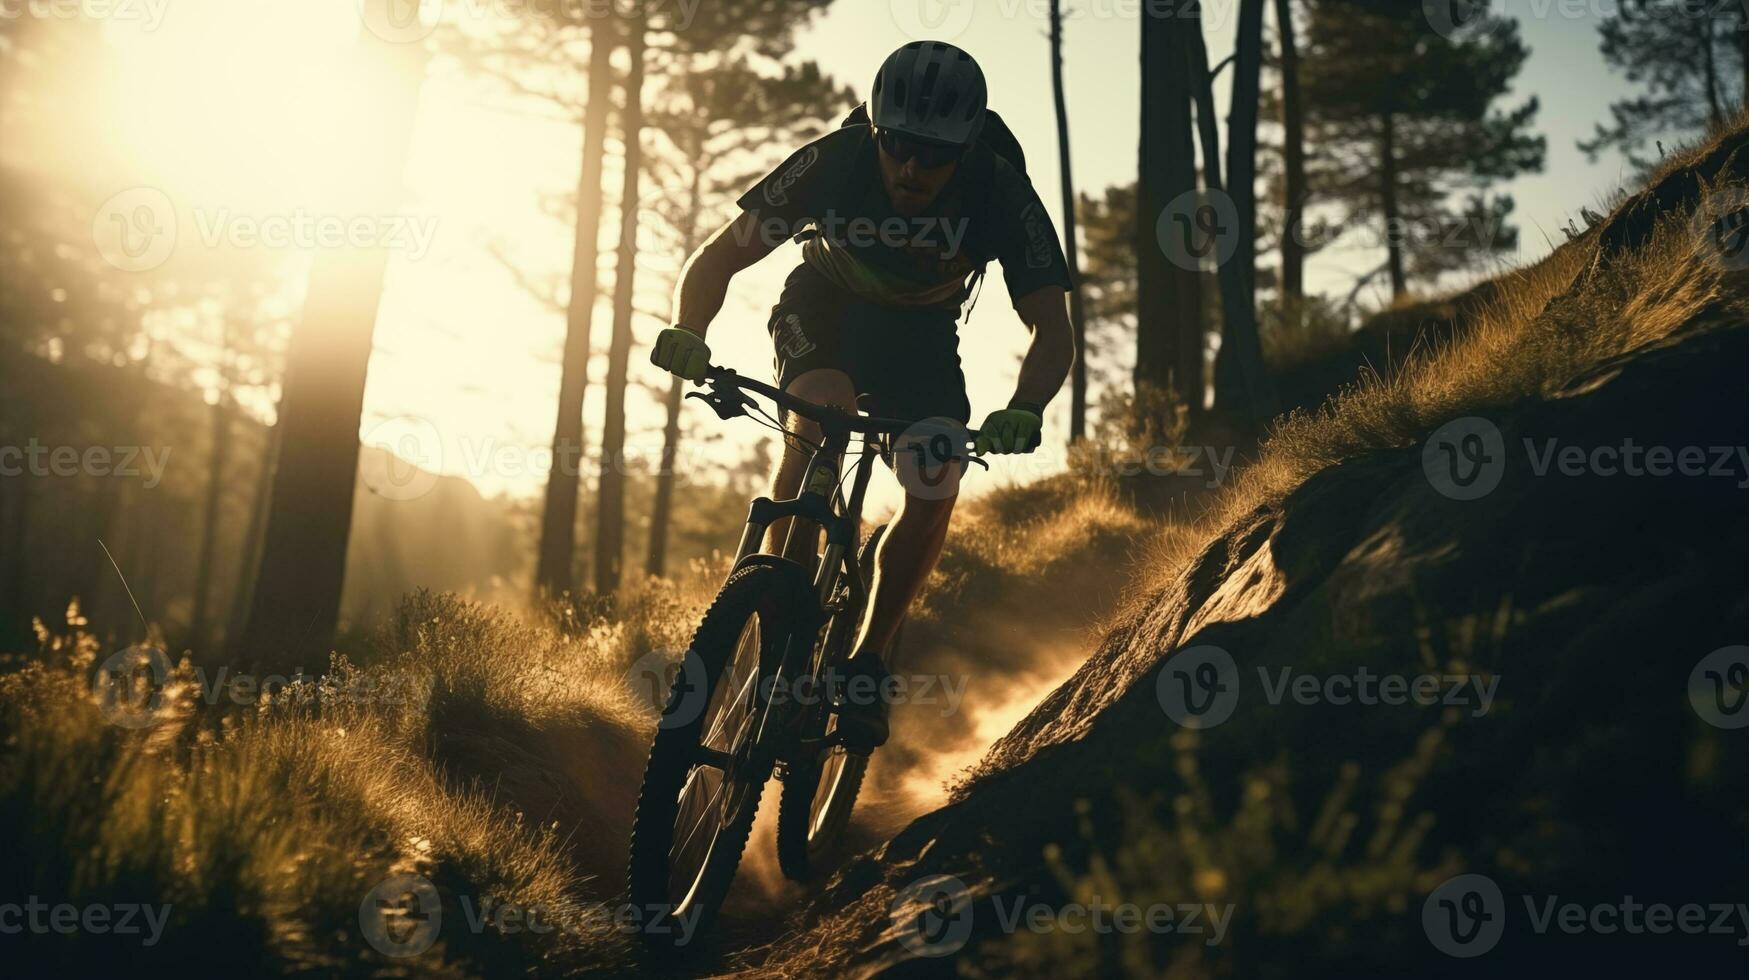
{"x":220,"y":106}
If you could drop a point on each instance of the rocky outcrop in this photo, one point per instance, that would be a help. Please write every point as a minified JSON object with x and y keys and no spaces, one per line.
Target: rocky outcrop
{"x":1562,"y":578}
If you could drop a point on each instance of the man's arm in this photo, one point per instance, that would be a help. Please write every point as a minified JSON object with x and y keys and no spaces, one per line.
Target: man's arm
{"x":1052,"y":352}
{"x":704,"y":283}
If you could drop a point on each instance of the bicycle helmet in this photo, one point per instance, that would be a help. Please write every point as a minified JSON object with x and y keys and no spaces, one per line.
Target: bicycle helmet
{"x":930,"y":90}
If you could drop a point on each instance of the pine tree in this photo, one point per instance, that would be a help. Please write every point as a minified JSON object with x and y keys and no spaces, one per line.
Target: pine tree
{"x":1692,"y":59}
{"x":1403,"y":119}
{"x":1170,"y":327}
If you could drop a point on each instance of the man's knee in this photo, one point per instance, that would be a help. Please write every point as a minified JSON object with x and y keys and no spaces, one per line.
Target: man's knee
{"x":824,"y":386}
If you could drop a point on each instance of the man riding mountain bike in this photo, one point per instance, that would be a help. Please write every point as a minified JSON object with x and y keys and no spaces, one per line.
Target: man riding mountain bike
{"x":900,"y":211}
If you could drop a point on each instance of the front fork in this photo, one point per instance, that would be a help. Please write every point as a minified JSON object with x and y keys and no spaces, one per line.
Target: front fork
{"x":812,"y":505}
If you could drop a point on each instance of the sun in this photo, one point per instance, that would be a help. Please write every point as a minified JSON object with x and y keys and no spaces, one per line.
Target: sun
{"x":232,"y":104}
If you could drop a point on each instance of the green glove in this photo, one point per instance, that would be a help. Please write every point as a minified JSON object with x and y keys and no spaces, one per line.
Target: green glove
{"x":1008,"y":431}
{"x":682,"y":352}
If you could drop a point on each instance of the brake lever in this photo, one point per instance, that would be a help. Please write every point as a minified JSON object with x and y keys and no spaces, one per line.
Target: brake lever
{"x":719,"y":401}
{"x":922,"y":451}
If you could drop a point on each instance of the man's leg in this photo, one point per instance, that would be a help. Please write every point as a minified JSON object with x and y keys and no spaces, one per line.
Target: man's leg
{"x":907,"y":554}
{"x":824,"y":386}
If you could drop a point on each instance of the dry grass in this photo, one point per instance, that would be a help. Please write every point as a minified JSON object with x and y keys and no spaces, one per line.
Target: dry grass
{"x":492,"y":751}
{"x":1530,"y":338}
{"x":264,"y":826}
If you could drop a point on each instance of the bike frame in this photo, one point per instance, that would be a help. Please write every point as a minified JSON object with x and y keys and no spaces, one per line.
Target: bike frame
{"x":820,"y":503}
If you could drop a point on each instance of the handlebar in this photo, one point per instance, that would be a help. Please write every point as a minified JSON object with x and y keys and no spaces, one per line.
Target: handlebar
{"x":721,"y":379}
{"x":728,"y":397}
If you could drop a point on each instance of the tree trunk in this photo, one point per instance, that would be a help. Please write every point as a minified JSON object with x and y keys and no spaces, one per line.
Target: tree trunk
{"x":1293,"y":124}
{"x":1242,"y":382}
{"x":662,"y":509}
{"x":1709,"y":61}
{"x":1071,"y":249}
{"x":297,"y":598}
{"x":1740,"y":34}
{"x":15,"y":559}
{"x":610,"y":497}
{"x":1169,"y":324}
{"x":246,"y":571}
{"x":1388,"y":199}
{"x":558,"y":534}
{"x":210,"y":512}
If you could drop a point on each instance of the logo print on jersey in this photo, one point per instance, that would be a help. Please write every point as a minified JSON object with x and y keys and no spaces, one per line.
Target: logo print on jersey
{"x":777,"y":191}
{"x":1038,"y":237}
{"x":795,"y":343}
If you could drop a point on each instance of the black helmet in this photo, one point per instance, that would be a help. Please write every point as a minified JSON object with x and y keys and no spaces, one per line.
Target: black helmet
{"x":930,"y":90}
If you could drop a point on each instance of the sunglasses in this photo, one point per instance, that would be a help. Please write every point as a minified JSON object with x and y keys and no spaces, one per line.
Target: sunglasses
{"x":928,"y":155}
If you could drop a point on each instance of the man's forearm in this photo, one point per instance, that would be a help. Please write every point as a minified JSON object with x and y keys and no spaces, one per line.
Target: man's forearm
{"x":1051,"y":353}
{"x":704,"y":283}
{"x":699,"y":296}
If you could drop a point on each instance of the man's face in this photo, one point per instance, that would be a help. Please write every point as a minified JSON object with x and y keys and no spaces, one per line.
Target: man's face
{"x":912,"y":185}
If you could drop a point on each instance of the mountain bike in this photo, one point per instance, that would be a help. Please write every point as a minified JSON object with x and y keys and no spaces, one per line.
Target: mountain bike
{"x":751,"y":696}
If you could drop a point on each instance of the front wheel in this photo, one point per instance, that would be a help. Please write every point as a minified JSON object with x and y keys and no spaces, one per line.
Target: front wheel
{"x":706,"y":771}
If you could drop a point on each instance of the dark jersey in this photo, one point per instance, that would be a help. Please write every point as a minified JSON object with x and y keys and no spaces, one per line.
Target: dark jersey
{"x":830,"y":192}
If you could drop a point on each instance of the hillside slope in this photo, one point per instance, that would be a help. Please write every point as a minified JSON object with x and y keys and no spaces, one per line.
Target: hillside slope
{"x":1568,"y":622}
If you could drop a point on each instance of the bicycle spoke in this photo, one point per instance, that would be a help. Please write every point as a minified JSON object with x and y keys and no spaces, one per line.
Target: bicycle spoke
{"x":741,"y":693}
{"x":704,"y":810}
{"x":708,"y":793}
